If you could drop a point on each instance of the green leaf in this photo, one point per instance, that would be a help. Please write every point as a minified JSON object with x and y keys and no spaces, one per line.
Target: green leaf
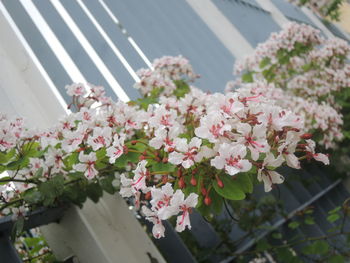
{"x":6,"y":157}
{"x":17,"y":228}
{"x":106,"y":184}
{"x":333,"y":217}
{"x":39,"y":172}
{"x":52,"y":189}
{"x":294,"y":225}
{"x":309,"y":220}
{"x":163,"y":167}
{"x":232,"y":189}
{"x":336,"y":259}
{"x":94,"y":191}
{"x":286,"y":256}
{"x":277,"y":235}
{"x":262,"y":245}
{"x":182,"y":88}
{"x":319,"y":247}
{"x":248,"y":77}
{"x":32,"y":196}
{"x":70,"y":160}
{"x":334,"y":210}
{"x":264,"y":62}
{"x":145,"y":102}
{"x":75,"y":193}
{"x":123,"y":160}
{"x":5,"y":178}
{"x":18,"y":164}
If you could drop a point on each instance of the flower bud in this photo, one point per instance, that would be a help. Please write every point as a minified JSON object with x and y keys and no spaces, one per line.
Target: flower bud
{"x":204,"y":191}
{"x":207,"y":200}
{"x":142,"y":157}
{"x":179,"y":172}
{"x":133,"y":142}
{"x":165,"y":160}
{"x":182,"y":183}
{"x":148,"y":195}
{"x":220,"y":183}
{"x":193,"y":181}
{"x":306,"y":136}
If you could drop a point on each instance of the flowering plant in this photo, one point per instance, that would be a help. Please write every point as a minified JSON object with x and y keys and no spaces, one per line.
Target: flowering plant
{"x":306,"y":73}
{"x":175,"y":149}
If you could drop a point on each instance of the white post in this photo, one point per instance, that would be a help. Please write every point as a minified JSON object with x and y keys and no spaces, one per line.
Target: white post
{"x":106,"y":232}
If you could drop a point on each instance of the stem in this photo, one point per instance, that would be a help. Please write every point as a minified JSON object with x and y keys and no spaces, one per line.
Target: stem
{"x":27,"y":181}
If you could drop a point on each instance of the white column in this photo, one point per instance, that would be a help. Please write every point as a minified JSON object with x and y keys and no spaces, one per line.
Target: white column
{"x":225,"y":31}
{"x":106,"y":232}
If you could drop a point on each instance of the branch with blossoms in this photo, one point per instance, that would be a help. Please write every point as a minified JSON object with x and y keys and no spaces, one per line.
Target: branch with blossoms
{"x":304,"y":72}
{"x":175,"y":149}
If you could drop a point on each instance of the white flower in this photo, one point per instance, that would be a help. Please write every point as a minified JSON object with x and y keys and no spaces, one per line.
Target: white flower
{"x":183,"y":206}
{"x":101,"y":138}
{"x":270,"y":177}
{"x":158,"y":228}
{"x":161,"y":201}
{"x":117,"y":148}
{"x":87,"y":165}
{"x":76,"y":89}
{"x":287,"y":149}
{"x":230,"y":158}
{"x":186,"y":154}
{"x":212,"y":127}
{"x":255,"y":141}
{"x":140,"y":175}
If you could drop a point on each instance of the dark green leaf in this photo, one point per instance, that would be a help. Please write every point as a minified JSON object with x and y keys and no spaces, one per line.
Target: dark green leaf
{"x":17,"y":228}
{"x":336,"y":259}
{"x":32,"y":196}
{"x":232,"y":188}
{"x":106,"y":184}
{"x":52,"y":189}
{"x":94,"y":191}
{"x":319,"y":247}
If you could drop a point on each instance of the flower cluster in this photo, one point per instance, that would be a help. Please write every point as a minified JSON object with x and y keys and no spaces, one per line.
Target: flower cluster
{"x":172,"y":151}
{"x":165,"y":71}
{"x":307,"y":71}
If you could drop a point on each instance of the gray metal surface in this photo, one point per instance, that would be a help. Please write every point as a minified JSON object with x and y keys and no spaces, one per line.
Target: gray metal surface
{"x":254,"y":23}
{"x":173,"y":28}
{"x":292,"y":12}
